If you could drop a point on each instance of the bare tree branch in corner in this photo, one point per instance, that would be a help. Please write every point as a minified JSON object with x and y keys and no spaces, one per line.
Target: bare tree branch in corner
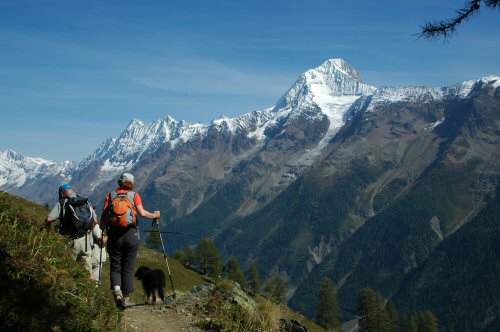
{"x":446,"y":28}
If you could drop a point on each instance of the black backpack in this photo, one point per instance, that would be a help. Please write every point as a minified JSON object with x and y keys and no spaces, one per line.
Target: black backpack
{"x":76,"y":216}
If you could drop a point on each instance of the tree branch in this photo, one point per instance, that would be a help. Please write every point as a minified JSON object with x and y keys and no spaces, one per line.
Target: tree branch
{"x":446,"y":28}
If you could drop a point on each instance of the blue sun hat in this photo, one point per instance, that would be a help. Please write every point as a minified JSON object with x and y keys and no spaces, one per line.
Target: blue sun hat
{"x":65,"y":186}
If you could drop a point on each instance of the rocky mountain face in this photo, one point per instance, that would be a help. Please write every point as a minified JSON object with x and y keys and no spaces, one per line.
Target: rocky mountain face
{"x":338,"y":179}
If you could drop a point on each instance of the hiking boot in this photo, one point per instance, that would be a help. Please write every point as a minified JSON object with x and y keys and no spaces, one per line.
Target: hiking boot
{"x":118,"y":298}
{"x":125,"y":303}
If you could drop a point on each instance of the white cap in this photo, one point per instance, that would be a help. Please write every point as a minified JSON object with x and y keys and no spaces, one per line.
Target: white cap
{"x":126,"y":177}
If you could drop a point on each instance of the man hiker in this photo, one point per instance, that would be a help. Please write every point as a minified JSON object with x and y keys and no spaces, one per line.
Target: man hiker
{"x":119,"y":216}
{"x":77,"y":219}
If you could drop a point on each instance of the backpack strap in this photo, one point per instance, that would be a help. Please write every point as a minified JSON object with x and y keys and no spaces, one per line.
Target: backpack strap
{"x":62,"y":203}
{"x":131,"y":196}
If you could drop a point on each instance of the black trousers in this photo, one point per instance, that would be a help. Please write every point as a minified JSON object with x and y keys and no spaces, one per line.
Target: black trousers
{"x":123,"y":245}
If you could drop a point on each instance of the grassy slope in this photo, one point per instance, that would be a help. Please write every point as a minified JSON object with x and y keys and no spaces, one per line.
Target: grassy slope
{"x":43,"y":288}
{"x":49,"y":290}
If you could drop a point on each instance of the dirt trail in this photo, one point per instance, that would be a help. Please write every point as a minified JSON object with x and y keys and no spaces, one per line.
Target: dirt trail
{"x":158,"y":318}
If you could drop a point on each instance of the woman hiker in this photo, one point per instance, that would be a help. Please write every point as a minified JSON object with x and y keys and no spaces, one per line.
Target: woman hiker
{"x":120,"y":219}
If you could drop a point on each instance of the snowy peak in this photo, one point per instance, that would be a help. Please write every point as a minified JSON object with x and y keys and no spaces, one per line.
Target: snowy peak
{"x":248,"y":123}
{"x":420,"y":94}
{"x":320,"y":86}
{"x":332,"y":66}
{"x":16,"y":169}
{"x":338,"y":78}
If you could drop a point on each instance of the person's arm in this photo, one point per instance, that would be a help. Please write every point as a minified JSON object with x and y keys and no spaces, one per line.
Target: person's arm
{"x":99,"y":234}
{"x":146,"y":214}
{"x":53,"y":215}
{"x":94,"y":216}
{"x":143,"y":212}
{"x":104,"y":214}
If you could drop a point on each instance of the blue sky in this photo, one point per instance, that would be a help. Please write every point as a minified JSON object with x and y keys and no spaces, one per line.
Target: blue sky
{"x":73,"y":73}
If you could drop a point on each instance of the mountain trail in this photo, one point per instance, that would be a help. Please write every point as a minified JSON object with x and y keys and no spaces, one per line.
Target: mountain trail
{"x":154,"y":318}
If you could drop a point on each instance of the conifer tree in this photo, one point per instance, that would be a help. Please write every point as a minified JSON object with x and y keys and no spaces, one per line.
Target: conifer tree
{"x":392,"y":317}
{"x":208,"y":257}
{"x":275,"y":289}
{"x":368,"y":310}
{"x":153,"y":240}
{"x":254,"y":278}
{"x":190,"y":256}
{"x":427,"y":322}
{"x":328,"y":309}
{"x":420,"y":322}
{"x":234,"y":272}
{"x":269,"y":289}
{"x":180,"y":256}
{"x":280,"y":289}
{"x":409,"y":324}
{"x":371,"y":310}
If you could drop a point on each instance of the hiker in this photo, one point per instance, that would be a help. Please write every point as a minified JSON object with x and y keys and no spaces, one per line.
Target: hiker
{"x":99,"y":253}
{"x":120,"y":219}
{"x":77,"y":219}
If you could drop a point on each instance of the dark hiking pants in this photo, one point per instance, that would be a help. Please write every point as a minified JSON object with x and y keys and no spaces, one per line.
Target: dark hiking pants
{"x":123,"y":245}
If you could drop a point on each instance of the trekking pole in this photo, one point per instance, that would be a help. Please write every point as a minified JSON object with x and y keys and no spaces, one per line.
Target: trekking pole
{"x":162,"y":232}
{"x":157,"y":222}
{"x":100,"y":261}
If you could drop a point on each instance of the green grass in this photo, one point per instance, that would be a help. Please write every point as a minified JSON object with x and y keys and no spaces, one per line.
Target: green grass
{"x":43,"y":287}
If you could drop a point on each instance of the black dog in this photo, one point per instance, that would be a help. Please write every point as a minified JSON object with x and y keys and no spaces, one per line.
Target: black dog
{"x":152,"y":280}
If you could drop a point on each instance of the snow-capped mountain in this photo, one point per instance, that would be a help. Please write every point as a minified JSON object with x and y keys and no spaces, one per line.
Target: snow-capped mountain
{"x":322,"y":99}
{"x":330,"y":89}
{"x":17,"y":170}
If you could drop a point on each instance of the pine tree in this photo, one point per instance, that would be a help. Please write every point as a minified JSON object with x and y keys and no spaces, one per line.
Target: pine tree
{"x":328,"y":309}
{"x":280,"y":289}
{"x":367,"y":310}
{"x":371,"y":310}
{"x":153,"y":240}
{"x":275,"y":289}
{"x":190,"y":256}
{"x":269,"y":289}
{"x":234,"y":272}
{"x":208,"y":257}
{"x":180,"y":256}
{"x":254,"y":278}
{"x":427,"y":322}
{"x":392,"y":317}
{"x":409,"y":324}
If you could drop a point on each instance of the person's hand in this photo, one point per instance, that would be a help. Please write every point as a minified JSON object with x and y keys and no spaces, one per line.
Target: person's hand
{"x":157,"y":214}
{"x":104,"y":239}
{"x":45,"y":225}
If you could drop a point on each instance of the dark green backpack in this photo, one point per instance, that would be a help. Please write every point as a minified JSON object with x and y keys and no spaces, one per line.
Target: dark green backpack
{"x":76,"y":216}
